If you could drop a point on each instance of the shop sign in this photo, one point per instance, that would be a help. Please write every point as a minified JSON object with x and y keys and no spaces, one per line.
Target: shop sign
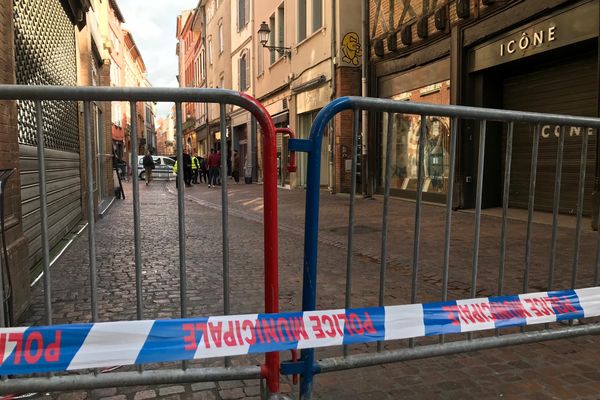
{"x":525,"y":41}
{"x":571,"y":26}
{"x":549,"y":131}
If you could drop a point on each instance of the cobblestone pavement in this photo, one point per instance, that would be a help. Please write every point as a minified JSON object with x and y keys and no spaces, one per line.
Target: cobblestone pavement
{"x":565,"y":369}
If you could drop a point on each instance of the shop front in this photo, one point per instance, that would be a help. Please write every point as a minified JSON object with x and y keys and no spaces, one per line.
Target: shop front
{"x":548,"y":65}
{"x":427,"y":84}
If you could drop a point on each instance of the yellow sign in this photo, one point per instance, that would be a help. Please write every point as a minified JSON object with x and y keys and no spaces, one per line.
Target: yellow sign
{"x":351,"y":48}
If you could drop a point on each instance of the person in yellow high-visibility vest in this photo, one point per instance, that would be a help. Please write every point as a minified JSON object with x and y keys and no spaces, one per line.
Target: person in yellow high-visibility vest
{"x":195,"y":168}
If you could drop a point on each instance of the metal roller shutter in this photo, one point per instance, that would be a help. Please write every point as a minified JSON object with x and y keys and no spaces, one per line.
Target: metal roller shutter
{"x":45,"y":53}
{"x":565,"y":86}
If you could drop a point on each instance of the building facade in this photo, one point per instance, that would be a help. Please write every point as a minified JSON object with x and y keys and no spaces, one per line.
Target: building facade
{"x":218,"y":72}
{"x":323,"y":62}
{"x":116,"y":47}
{"x":165,"y":136}
{"x":135,"y":76}
{"x":242,"y":132}
{"x":518,"y":55}
{"x":77,"y":43}
{"x":68,"y":47}
{"x":187,"y":51}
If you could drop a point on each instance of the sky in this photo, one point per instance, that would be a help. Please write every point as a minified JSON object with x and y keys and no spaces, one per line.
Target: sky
{"x":153,"y":24}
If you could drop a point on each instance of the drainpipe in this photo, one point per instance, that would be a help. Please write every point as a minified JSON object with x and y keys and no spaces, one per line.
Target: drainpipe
{"x":365,"y":121}
{"x":331,"y":153}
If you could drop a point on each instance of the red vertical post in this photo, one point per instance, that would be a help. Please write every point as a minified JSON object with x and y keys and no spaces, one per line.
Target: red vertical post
{"x":271,"y":369}
{"x":292,"y":165}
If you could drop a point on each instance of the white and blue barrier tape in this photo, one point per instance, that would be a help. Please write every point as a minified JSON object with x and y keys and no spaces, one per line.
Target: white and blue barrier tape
{"x":78,"y":346}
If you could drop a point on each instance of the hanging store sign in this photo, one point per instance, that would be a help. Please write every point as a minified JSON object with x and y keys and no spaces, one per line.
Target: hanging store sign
{"x":569,"y":27}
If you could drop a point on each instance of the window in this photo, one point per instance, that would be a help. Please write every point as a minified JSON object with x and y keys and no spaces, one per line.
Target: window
{"x":222,"y":82}
{"x":202,"y":64}
{"x":115,"y":74}
{"x":210,"y":53}
{"x":116,"y":113}
{"x":310,"y":17}
{"x":280,"y":27}
{"x":221,"y":38}
{"x":272,"y":37}
{"x":244,"y":68}
{"x":301,"y":20}
{"x":243,"y":11}
{"x":260,"y":58}
{"x":317,"y":14}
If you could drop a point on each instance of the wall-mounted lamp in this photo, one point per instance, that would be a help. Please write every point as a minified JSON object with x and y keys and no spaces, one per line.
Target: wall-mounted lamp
{"x":263,"y":37}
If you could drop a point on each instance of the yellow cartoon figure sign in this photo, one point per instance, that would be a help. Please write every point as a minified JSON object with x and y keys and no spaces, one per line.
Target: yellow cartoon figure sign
{"x":351,"y":48}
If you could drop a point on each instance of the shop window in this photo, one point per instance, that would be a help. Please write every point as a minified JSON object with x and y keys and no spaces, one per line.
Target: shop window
{"x":404,"y":155}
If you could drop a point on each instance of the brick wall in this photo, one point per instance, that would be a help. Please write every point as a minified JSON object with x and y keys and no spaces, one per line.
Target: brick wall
{"x":383,"y":20}
{"x":347,"y":84}
{"x":9,"y":158}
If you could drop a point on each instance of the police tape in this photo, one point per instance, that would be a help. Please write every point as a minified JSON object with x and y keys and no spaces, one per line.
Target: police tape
{"x":79,"y":346}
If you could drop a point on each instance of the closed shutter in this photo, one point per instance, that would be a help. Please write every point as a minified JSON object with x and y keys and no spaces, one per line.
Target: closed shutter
{"x":247,"y":71}
{"x":246,"y":12}
{"x":45,"y":54}
{"x":564,"y":86}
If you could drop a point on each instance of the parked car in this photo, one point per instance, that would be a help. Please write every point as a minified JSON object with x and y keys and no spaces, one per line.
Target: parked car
{"x":163,"y":168}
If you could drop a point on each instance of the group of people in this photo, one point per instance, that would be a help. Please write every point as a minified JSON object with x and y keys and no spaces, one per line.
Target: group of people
{"x":197,"y":170}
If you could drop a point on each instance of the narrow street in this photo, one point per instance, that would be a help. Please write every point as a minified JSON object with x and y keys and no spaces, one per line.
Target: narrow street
{"x":551,"y":370}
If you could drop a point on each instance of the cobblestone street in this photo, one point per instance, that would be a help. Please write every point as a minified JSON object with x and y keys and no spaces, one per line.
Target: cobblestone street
{"x":563,"y":369}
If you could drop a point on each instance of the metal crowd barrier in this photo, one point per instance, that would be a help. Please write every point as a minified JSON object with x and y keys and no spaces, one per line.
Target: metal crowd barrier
{"x":307,"y":366}
{"x":38,"y":94}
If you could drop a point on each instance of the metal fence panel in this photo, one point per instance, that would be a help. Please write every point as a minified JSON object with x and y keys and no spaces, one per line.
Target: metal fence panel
{"x":307,"y":364}
{"x":49,"y":94}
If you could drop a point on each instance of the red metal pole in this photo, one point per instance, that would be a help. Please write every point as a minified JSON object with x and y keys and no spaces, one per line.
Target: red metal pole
{"x":271,"y":369}
{"x":292,"y":166}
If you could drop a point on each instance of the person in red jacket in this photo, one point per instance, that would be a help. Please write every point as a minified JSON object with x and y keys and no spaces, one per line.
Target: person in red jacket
{"x":214,"y":163}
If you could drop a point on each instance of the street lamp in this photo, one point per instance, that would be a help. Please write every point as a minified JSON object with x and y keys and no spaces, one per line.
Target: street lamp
{"x":263,"y":36}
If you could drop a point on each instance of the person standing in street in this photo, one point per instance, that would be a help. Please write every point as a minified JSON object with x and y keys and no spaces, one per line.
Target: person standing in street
{"x":203,"y":170}
{"x":148,"y":163}
{"x":195,"y":169}
{"x":235,"y":172}
{"x":187,"y":166}
{"x":214,"y":162}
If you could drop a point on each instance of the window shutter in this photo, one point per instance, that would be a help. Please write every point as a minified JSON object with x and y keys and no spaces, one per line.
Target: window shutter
{"x":247,"y":72}
{"x":240,"y":14}
{"x":240,"y":74}
{"x":246,"y":11}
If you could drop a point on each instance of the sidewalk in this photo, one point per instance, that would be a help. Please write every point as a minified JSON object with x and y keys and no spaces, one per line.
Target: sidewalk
{"x":565,"y":369}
